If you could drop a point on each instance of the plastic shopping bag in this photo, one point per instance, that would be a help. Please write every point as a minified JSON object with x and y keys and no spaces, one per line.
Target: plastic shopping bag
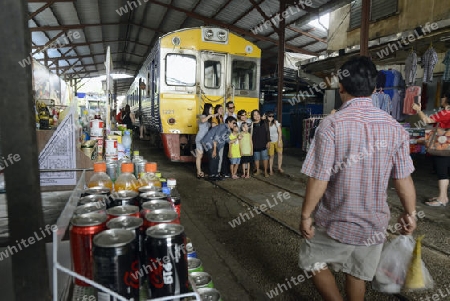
{"x":393,"y":266}
{"x":417,"y":276}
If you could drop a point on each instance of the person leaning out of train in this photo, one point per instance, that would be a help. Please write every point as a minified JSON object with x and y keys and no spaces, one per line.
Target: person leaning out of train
{"x":218,"y":116}
{"x":230,"y":110}
{"x":204,"y":124}
{"x":213,"y":143}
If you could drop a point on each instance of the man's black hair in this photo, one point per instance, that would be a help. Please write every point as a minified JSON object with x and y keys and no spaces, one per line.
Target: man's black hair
{"x":230,"y":119}
{"x":362,"y":78}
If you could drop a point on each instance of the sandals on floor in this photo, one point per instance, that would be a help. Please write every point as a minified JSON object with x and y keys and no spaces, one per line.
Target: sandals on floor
{"x":434,"y":202}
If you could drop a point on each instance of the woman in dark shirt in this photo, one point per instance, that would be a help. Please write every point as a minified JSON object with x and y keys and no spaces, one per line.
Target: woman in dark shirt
{"x":261,"y":140}
{"x":128,"y":117}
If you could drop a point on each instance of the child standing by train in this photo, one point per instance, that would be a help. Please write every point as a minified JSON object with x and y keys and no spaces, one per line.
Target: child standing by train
{"x":246,"y":147}
{"x":234,"y":153}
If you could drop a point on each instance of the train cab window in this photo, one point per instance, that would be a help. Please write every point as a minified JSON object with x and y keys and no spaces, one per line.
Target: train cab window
{"x":244,"y":75}
{"x":213,"y":70}
{"x":180,"y":70}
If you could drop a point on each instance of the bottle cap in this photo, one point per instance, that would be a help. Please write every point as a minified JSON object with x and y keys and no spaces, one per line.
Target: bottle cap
{"x":126,"y":133}
{"x":99,"y":167}
{"x":171,"y":182}
{"x":136,"y":153}
{"x":158,"y":174}
{"x":151,"y":167}
{"x":166,"y":190}
{"x":127,"y":167}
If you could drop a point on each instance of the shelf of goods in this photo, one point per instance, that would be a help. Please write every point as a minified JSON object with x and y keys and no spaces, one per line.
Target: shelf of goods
{"x":416,"y":140}
{"x":63,"y":287}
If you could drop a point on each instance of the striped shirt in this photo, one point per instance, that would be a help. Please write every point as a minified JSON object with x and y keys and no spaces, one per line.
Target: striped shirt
{"x":357,"y":150}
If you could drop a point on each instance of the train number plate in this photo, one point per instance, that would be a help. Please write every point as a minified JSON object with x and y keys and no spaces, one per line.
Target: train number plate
{"x":168,"y":112}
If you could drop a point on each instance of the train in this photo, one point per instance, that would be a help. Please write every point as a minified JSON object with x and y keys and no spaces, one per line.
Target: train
{"x":186,"y":69}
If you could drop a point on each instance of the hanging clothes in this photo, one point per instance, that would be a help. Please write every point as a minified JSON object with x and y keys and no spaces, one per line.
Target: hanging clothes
{"x":411,"y":68}
{"x":397,"y":107}
{"x":309,"y":129}
{"x":429,"y":60}
{"x":446,"y":63}
{"x":411,"y":93}
{"x":381,"y":79}
{"x":382,"y":101}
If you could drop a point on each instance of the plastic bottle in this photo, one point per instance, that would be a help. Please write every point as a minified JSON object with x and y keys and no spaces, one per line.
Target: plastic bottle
{"x":126,"y":142}
{"x":149,"y":178}
{"x":174,"y":196}
{"x":126,"y":180}
{"x":100,"y":178}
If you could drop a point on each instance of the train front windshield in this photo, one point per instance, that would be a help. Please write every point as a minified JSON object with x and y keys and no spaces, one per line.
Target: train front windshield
{"x":244,"y":75}
{"x":180,"y":70}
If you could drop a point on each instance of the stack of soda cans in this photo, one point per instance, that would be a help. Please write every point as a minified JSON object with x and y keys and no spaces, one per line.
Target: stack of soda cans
{"x":134,"y":245}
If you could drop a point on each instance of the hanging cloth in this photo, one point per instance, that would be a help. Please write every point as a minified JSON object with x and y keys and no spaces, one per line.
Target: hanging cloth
{"x":411,"y":68}
{"x":429,"y":60}
{"x":446,"y":63}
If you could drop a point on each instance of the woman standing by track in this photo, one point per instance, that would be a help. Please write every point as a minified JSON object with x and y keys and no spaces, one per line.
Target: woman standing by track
{"x":204,"y":124}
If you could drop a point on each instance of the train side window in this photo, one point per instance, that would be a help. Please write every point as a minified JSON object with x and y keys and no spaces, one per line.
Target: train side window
{"x":213,"y":70}
{"x":244,"y":75}
{"x":180,"y":69}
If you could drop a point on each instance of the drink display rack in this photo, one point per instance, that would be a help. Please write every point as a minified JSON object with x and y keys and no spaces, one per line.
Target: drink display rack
{"x":84,"y":293}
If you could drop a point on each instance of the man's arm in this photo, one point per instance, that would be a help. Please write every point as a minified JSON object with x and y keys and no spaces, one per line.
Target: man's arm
{"x":314,"y":191}
{"x":407,"y":194}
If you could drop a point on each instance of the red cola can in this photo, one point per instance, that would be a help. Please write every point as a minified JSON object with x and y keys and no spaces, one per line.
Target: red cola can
{"x":124,"y":197}
{"x":116,"y":263}
{"x":144,"y":189}
{"x":161,"y":216}
{"x":167,"y":260}
{"x":97,"y":190}
{"x":153,"y":205}
{"x":92,"y":207}
{"x":152,"y":195}
{"x":93,"y":198}
{"x":82,"y":232}
{"x":123,"y":210}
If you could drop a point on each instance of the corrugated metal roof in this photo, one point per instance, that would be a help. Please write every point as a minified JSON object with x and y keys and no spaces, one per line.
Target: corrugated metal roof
{"x":132,"y":27}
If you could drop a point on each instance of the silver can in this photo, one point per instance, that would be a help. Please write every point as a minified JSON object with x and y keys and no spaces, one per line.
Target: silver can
{"x":210,"y":294}
{"x":111,"y":170}
{"x":140,"y":168}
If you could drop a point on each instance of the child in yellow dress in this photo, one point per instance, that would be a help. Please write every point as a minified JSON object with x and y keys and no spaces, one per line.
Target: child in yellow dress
{"x":246,"y":147}
{"x":234,"y":152}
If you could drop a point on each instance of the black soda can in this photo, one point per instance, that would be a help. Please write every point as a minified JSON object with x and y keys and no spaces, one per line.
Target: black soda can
{"x":124,"y":197}
{"x":116,"y":263}
{"x":97,"y":190}
{"x":166,"y":260}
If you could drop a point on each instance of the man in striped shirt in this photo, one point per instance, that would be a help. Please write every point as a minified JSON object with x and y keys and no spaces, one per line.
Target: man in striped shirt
{"x":354,"y":153}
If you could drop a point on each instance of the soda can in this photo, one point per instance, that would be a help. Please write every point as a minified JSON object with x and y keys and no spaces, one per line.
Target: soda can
{"x":152,"y":195}
{"x":192,"y":253}
{"x":97,"y":190}
{"x":97,"y":207}
{"x":126,"y":210}
{"x":82,"y":231}
{"x":153,"y":205}
{"x":144,"y":189}
{"x":164,"y":246}
{"x":194,"y":265}
{"x":210,"y":294}
{"x":93,"y":198}
{"x":111,"y":170}
{"x":140,"y":166}
{"x":115,"y":263}
{"x":161,"y":216}
{"x":202,"y":279}
{"x":124,"y":197}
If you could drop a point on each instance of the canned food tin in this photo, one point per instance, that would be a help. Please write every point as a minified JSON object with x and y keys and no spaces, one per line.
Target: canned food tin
{"x":115,"y":262}
{"x":98,"y":207}
{"x":194,"y":265}
{"x":164,"y":245}
{"x":202,"y":279}
{"x":153,"y":205}
{"x":123,"y":210}
{"x":97,"y":190}
{"x":82,"y":231}
{"x":93,"y":198}
{"x":111,"y":148}
{"x":210,"y":294}
{"x":124,"y":197}
{"x":161,"y":216}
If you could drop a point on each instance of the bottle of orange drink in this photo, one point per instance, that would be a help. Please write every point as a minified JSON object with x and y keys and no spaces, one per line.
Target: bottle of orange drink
{"x":149,"y":178}
{"x":126,"y":180}
{"x":100,"y":177}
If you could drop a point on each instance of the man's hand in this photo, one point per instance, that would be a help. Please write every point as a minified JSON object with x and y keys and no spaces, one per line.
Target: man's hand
{"x":214,"y":153}
{"x":417,"y":107}
{"x":408,"y":223}
{"x":306,"y":228}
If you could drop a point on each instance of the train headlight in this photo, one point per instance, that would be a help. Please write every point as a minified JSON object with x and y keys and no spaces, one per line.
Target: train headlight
{"x":209,"y":34}
{"x":171,"y":121}
{"x":222,"y":35}
{"x":176,"y":41}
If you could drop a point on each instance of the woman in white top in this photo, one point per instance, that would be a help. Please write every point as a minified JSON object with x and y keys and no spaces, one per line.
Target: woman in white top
{"x":276,"y":142}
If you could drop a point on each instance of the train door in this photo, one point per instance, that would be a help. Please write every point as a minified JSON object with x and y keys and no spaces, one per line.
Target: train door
{"x":213,"y":79}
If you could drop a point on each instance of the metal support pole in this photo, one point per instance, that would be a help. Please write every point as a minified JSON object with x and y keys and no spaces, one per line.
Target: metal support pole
{"x":364,"y":34}
{"x":281,"y":39}
{"x":20,"y":157}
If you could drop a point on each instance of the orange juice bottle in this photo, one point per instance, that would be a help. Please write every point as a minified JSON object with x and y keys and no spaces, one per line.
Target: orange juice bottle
{"x":126,"y":180}
{"x":149,"y":178}
{"x":100,"y":177}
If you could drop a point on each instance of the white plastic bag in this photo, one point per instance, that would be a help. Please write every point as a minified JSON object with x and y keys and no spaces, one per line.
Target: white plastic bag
{"x":393,"y":266}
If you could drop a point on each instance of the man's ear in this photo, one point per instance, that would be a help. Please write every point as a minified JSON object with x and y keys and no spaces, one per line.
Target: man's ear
{"x":341,"y":89}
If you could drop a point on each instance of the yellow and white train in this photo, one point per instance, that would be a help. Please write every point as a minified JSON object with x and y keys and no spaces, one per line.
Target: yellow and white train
{"x":186,"y":69}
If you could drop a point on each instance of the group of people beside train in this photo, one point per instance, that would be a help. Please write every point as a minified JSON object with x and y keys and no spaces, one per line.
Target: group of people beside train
{"x":231,"y":140}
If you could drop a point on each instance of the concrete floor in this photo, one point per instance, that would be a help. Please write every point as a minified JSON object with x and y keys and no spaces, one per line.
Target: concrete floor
{"x":249,"y":260}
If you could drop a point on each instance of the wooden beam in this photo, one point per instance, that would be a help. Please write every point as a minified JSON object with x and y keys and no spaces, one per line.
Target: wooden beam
{"x":28,"y":256}
{"x":364,"y":32}
{"x":262,"y":13}
{"x":101,"y":42}
{"x":281,"y":35}
{"x":63,"y":58}
{"x":44,"y":1}
{"x":41,"y":9}
{"x":82,"y":26}
{"x":307,"y":34}
{"x":233,"y":28}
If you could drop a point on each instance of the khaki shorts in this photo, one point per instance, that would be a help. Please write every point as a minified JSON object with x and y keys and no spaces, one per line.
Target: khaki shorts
{"x":358,"y":261}
{"x":273,"y":146}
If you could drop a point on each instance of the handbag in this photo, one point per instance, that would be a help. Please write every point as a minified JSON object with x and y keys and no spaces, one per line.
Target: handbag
{"x":437,"y":142}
